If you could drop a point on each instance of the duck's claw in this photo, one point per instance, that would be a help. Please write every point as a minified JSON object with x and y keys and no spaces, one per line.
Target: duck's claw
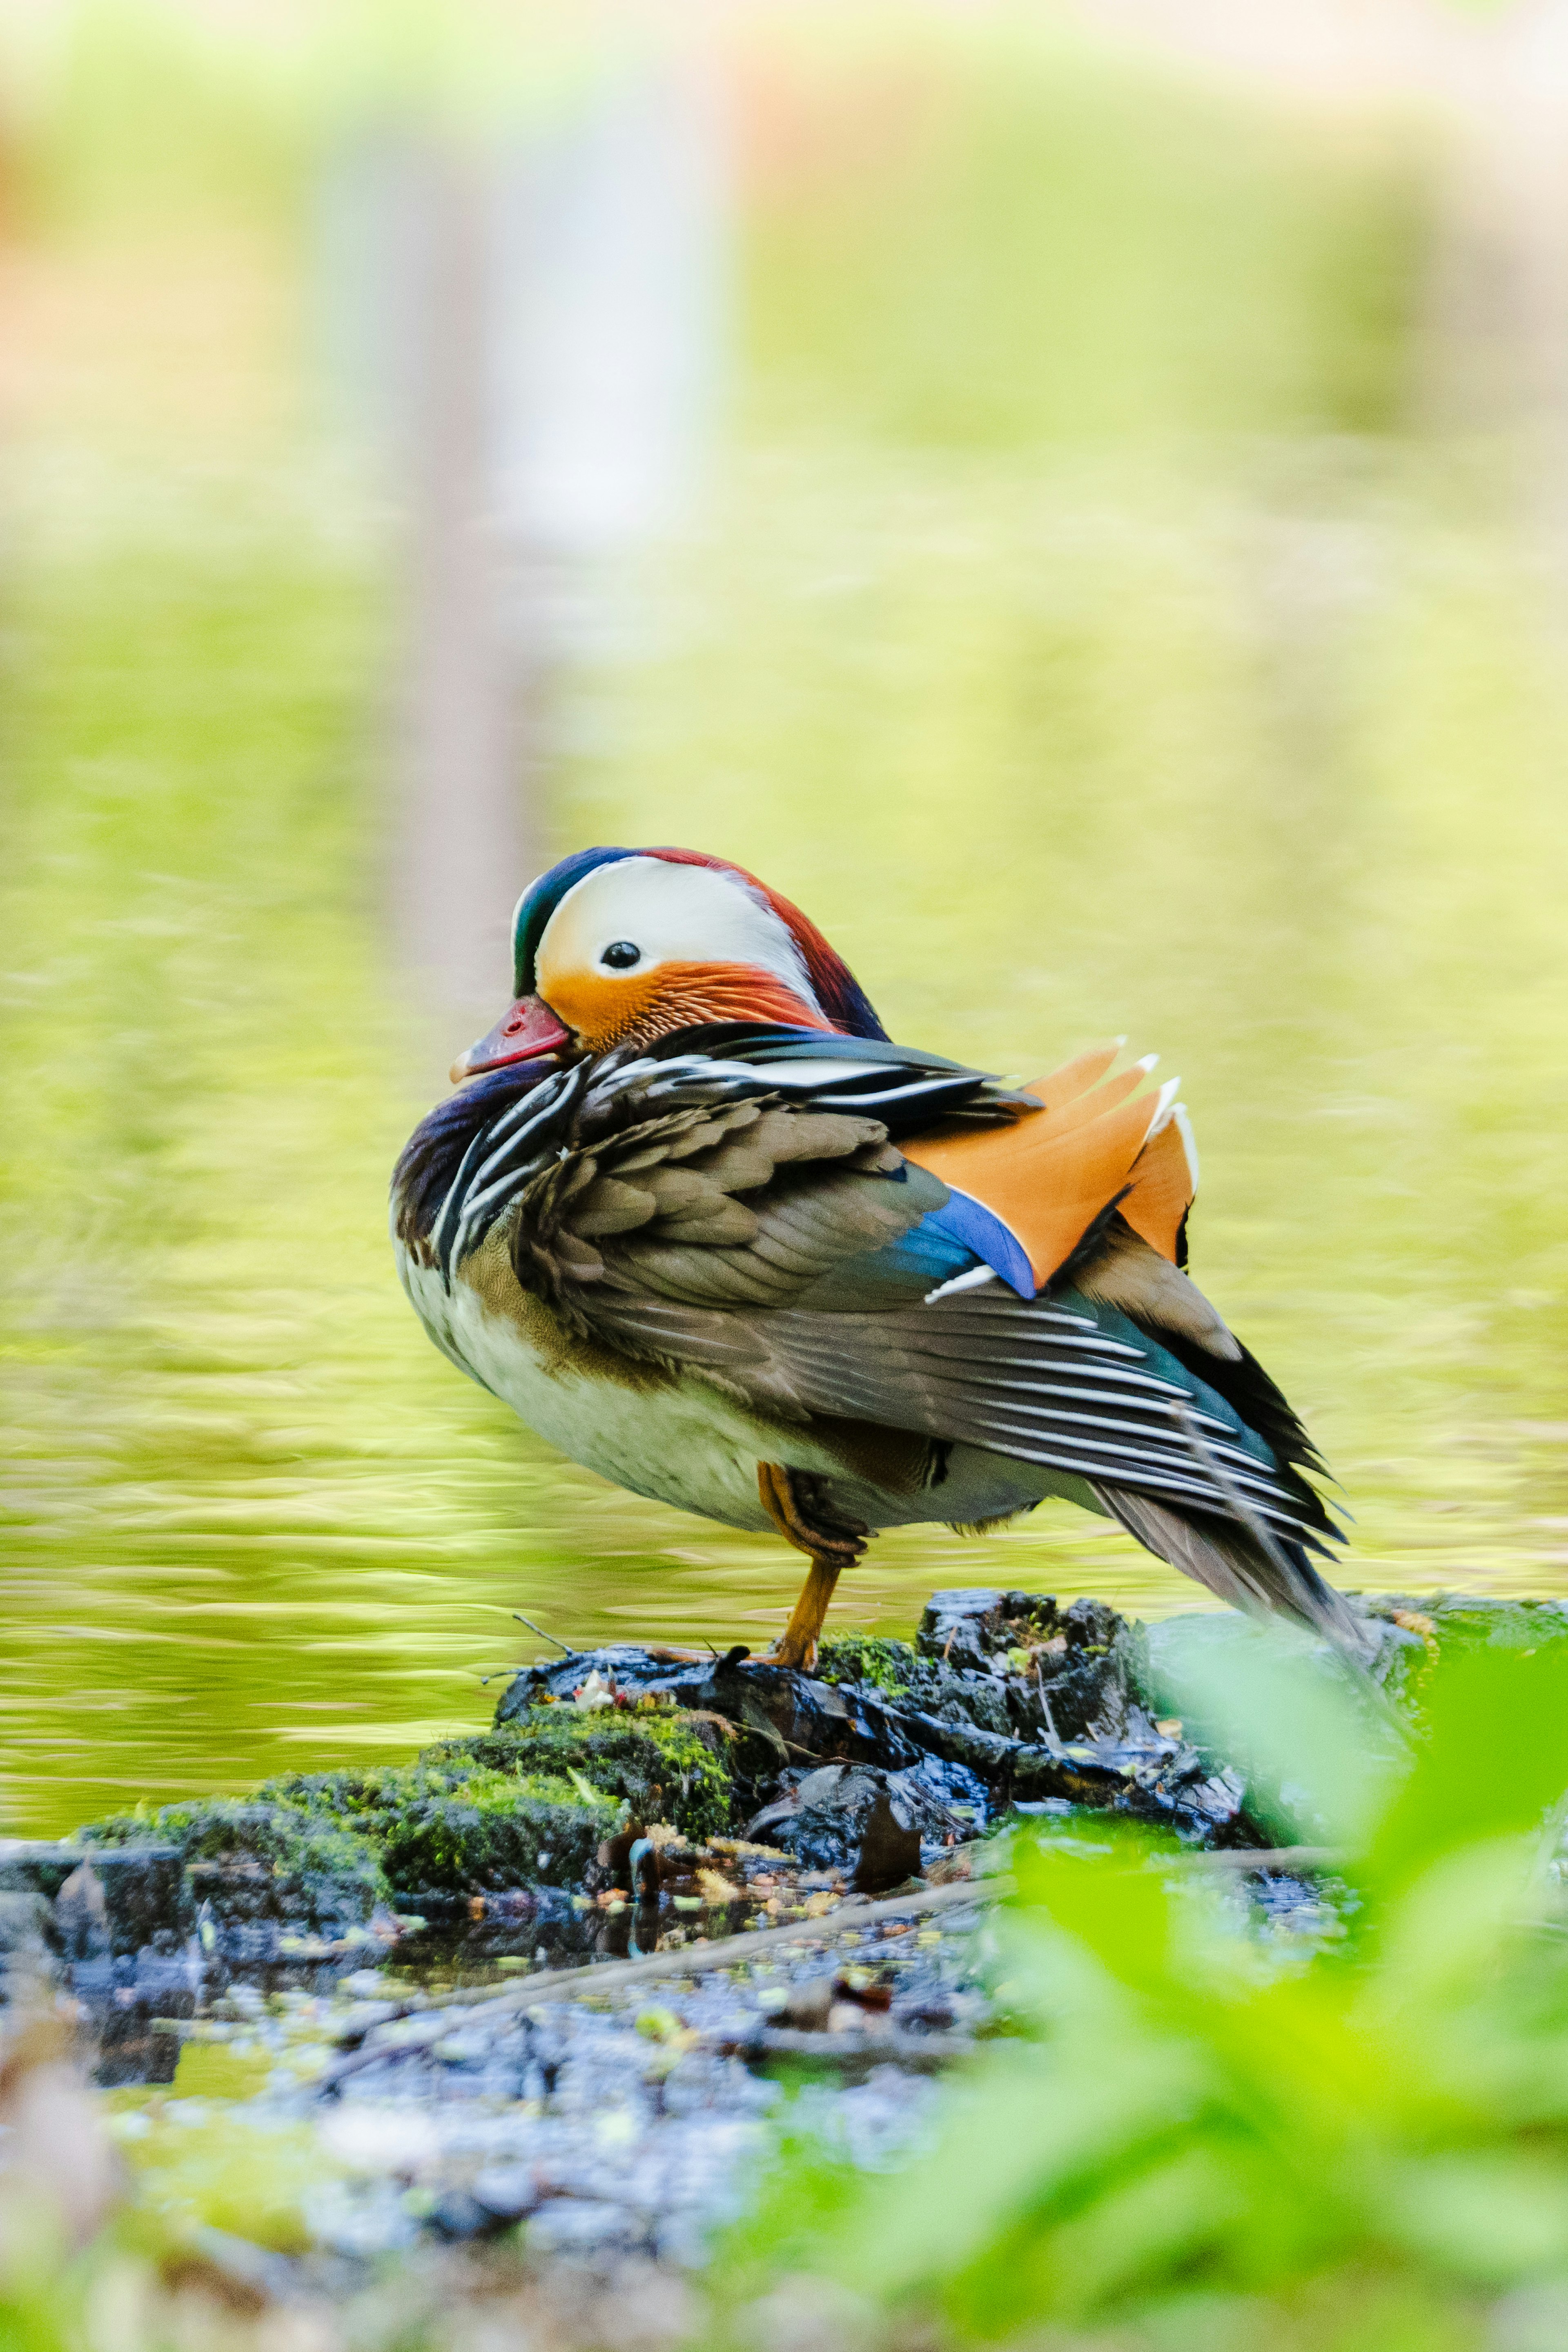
{"x":799,"y":1505}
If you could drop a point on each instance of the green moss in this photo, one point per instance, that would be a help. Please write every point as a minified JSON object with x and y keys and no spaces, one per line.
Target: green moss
{"x":1467,"y":1621}
{"x":483,"y":1835}
{"x":660,"y":1762}
{"x":450,"y":1823}
{"x":270,"y":1858}
{"x":527,"y":1805}
{"x":863,"y":1658}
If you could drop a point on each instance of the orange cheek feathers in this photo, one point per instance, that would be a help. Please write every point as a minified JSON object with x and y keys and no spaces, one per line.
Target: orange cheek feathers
{"x":606,"y":1011}
{"x":601,"y":1011}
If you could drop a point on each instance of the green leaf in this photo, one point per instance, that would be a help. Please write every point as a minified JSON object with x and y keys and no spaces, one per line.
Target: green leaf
{"x":1492,"y":1761}
{"x":1488,"y":2215}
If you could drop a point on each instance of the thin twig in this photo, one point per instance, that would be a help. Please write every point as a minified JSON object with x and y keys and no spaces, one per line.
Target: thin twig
{"x":543,"y":1636}
{"x":610,"y":1976}
{"x":482,"y":2004}
{"x":1287,"y":1858}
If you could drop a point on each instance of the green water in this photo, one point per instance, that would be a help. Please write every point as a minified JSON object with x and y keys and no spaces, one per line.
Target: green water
{"x":1246,"y":741}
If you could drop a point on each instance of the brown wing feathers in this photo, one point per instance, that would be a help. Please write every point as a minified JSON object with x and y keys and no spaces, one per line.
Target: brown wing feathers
{"x":660,"y":1204}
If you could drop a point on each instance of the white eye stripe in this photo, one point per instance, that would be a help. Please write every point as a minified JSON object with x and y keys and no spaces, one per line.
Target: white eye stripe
{"x":670,"y":914}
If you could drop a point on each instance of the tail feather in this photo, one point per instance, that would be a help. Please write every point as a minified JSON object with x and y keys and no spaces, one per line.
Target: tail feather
{"x":1272,"y":1579}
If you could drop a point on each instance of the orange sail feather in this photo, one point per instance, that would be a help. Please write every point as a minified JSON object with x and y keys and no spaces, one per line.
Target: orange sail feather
{"x":1049,"y":1177}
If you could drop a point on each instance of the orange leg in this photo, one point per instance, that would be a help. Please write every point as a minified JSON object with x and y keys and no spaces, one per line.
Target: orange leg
{"x":796,"y":1645}
{"x":793,"y":1500}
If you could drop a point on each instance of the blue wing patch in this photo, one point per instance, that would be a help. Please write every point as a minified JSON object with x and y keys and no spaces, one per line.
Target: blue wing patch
{"x":983,"y":1234}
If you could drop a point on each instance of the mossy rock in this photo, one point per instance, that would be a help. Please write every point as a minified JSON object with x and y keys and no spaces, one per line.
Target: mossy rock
{"x":259,"y":1858}
{"x":660,"y":1762}
{"x":451,"y":1825}
{"x":1465,"y":1621}
{"x":886,"y":1666}
{"x":527,"y":1805}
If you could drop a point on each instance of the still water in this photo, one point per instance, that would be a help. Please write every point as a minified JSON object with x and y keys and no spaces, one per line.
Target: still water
{"x":1270,"y":782}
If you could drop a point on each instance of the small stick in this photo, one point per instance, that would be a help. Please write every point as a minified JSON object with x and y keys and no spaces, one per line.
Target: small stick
{"x":1286,"y":1858}
{"x":543,"y":1636}
{"x":609,"y":1976}
{"x":701,"y":1959}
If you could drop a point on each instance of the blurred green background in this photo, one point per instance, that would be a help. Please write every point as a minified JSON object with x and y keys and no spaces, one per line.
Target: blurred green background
{"x":1079,"y":601}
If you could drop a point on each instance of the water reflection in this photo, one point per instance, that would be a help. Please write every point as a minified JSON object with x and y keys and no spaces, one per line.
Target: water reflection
{"x":254,"y":1523}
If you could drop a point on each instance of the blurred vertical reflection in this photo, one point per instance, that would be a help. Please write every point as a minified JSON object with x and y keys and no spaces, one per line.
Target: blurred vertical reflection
{"x":531,"y":318}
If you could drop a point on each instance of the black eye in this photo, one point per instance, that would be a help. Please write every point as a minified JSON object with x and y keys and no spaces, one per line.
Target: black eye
{"x":620,"y":955}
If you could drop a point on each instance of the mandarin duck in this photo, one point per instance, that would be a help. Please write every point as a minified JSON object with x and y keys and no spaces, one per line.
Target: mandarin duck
{"x":702,"y":1226}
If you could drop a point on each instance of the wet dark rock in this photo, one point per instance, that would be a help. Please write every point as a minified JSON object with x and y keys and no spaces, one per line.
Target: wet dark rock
{"x":133,"y":2028}
{"x":849,"y":1724}
{"x":924,"y":2013}
{"x":856,"y":1817}
{"x":458,"y":2215}
{"x":965,"y":1628}
{"x":963,"y":1790}
{"x":953,"y":1739}
{"x":890,"y":1849}
{"x":85,"y":1939}
{"x":1003,"y":1697}
{"x":82,"y":1916}
{"x":252,"y":1867}
{"x":626,"y":1665}
{"x":25,"y":1922}
{"x":583,"y":2225}
{"x":141,"y":1888}
{"x":1006,"y":1663}
{"x":26,"y":1956}
{"x":887,"y":1756}
{"x":1157,"y":1781}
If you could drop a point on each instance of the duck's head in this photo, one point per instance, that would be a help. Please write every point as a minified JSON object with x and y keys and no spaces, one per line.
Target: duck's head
{"x":617,"y":947}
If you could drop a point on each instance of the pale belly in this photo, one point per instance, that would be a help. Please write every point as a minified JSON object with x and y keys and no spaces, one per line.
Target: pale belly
{"x":682,"y":1441}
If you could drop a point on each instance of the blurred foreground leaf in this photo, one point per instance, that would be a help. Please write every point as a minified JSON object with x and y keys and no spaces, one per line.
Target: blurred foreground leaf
{"x":1190,"y":2115}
